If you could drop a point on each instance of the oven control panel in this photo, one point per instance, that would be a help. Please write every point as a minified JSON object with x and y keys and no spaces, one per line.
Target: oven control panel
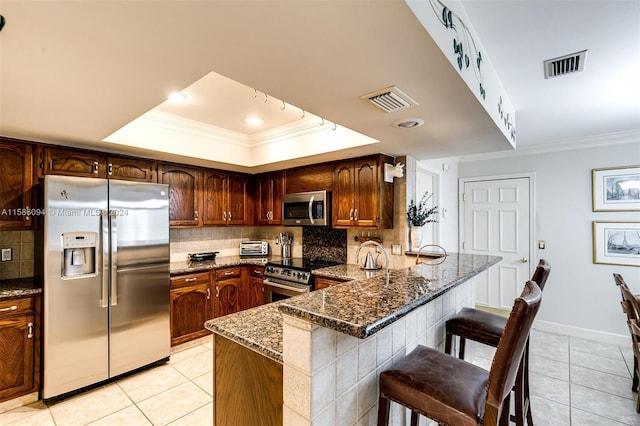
{"x":289,"y":274}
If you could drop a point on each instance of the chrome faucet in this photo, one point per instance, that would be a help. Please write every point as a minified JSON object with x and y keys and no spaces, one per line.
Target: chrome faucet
{"x":384,"y":250}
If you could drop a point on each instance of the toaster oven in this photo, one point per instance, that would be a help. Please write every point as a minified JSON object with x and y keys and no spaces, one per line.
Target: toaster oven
{"x":254,"y":248}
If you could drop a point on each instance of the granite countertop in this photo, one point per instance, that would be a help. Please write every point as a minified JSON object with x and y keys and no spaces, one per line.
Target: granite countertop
{"x":186,"y":266}
{"x":348,"y":272}
{"x":259,"y":329}
{"x":19,"y":287}
{"x":361,"y":308}
{"x":342,"y":307}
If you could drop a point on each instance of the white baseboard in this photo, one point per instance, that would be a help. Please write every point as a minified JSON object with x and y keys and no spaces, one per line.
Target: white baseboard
{"x":583,"y":333}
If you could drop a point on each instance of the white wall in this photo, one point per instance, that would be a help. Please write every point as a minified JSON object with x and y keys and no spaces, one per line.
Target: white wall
{"x":580,"y":297}
{"x":447,"y":200}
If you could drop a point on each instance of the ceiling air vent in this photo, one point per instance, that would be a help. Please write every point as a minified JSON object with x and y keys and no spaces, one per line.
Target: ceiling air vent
{"x":390,"y":99}
{"x":566,"y":64}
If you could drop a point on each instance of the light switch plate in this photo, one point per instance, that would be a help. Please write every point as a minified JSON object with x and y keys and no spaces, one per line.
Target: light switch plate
{"x":6,"y":254}
{"x":396,"y":249}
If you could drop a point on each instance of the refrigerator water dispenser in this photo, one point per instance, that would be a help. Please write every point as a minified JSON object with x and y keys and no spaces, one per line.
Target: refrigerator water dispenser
{"x":79,"y":254}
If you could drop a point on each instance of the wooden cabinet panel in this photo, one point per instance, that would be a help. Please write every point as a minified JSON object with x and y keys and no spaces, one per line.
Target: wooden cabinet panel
{"x":190,"y":307}
{"x":270,"y":188}
{"x":67,"y":162}
{"x":226,"y":198}
{"x":343,"y":194}
{"x":247,"y":386}
{"x":18,"y":346}
{"x":132,"y":169}
{"x":185,"y":185}
{"x":366,"y":193}
{"x":238,"y":199}
{"x":323,"y":282}
{"x":227,"y":297}
{"x":361,"y":197}
{"x":316,"y":177}
{"x":16,"y":184}
{"x":255,"y":296}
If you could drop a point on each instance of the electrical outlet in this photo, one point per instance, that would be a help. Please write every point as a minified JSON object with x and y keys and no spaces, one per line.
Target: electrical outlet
{"x":6,"y":254}
{"x":396,"y":249}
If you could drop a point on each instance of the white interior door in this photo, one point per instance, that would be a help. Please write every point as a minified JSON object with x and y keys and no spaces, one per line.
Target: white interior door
{"x":497,"y":222}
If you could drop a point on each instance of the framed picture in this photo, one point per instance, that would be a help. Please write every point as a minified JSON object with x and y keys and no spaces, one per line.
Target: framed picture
{"x":616,"y":243}
{"x":616,"y":189}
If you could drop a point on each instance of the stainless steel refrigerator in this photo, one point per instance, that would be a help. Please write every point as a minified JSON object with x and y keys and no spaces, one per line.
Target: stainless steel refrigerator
{"x":105,"y":272}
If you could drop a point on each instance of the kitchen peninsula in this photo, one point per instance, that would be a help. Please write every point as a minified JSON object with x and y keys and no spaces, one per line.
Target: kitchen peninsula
{"x":314,"y":359}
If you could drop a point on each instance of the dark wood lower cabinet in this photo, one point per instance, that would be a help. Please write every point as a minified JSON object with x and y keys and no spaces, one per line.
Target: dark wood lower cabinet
{"x":19,"y":345}
{"x":247,"y":386}
{"x":190,"y":307}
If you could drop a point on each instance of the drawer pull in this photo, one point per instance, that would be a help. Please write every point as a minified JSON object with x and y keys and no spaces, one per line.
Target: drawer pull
{"x":190,"y":280}
{"x":228,"y":273}
{"x":30,"y":330}
{"x":10,"y":308}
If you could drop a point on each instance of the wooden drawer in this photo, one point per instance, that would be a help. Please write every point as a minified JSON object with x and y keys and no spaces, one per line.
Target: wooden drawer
{"x":190,"y":279}
{"x":322,"y":282}
{"x":228,"y":273}
{"x":256,"y":271}
{"x":14,"y":306}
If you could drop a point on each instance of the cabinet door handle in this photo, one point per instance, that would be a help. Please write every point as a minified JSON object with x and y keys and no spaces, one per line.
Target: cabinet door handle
{"x":351,"y":214}
{"x":30,"y":330}
{"x":217,"y":291}
{"x":208,"y":293}
{"x":355,"y":214}
{"x":190,"y":280}
{"x":224,"y":216}
{"x":95,"y":167}
{"x":195,"y":215}
{"x":229,"y":216}
{"x":110,"y":169}
{"x":10,"y":308}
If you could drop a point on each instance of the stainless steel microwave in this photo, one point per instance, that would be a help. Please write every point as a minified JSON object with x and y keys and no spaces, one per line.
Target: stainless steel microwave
{"x":307,"y":208}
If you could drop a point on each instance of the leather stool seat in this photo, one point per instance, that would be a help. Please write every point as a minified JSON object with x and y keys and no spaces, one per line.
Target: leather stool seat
{"x":480,"y":326}
{"x":453,"y":383}
{"x":454,"y":392}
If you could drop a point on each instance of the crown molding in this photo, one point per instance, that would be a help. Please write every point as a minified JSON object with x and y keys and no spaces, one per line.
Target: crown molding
{"x":568,"y":144}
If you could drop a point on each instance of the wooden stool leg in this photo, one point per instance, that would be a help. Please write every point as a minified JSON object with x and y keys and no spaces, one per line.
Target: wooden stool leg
{"x":527,"y":399}
{"x":383,"y":410}
{"x":447,"y":343}
{"x":414,"y":418}
{"x":522,"y":402}
{"x":634,"y":385}
{"x":461,"y":351}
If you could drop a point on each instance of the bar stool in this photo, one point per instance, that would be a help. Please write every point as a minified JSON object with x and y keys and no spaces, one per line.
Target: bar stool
{"x":631,"y":315}
{"x":486,"y":327}
{"x":634,"y":327}
{"x":454,"y":392}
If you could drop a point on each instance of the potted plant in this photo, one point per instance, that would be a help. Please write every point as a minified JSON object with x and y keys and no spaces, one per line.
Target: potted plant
{"x":419,"y":215}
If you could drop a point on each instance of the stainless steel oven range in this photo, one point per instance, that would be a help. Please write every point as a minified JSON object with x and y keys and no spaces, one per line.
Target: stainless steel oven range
{"x":290,"y":277}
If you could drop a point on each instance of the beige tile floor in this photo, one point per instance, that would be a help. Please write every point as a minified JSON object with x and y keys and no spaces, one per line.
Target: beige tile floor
{"x":573,"y":382}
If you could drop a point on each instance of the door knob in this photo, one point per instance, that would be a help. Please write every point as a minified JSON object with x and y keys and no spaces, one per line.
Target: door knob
{"x":524,"y":260}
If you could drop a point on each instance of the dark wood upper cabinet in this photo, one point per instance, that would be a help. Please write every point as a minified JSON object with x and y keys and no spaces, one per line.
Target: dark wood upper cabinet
{"x":361,"y":198}
{"x":269,"y":190}
{"x":132,"y":169}
{"x":185,"y":185}
{"x":316,"y":177}
{"x":226,"y":198}
{"x":68,"y":162}
{"x":16,"y":184}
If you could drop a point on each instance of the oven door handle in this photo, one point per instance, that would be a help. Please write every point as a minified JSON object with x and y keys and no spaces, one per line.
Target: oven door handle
{"x":285,"y":287}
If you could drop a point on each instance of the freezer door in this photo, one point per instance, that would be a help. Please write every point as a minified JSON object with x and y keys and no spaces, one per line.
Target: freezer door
{"x":139,"y":292}
{"x":75,"y":312}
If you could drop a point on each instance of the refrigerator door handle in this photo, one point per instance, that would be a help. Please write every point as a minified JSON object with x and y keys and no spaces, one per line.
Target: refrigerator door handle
{"x":113,"y":224}
{"x":104,"y":229}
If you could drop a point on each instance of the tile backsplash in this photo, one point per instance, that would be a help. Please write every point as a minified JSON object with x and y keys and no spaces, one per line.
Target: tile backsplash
{"x":22,"y":252}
